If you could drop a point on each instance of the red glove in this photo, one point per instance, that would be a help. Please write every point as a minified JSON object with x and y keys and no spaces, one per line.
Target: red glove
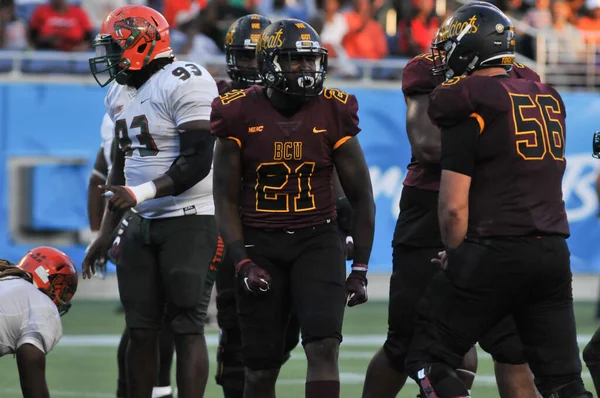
{"x":356,"y":285}
{"x":256,"y":280}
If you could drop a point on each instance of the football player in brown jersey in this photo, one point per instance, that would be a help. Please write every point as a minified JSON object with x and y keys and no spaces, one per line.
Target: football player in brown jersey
{"x":283,"y":141}
{"x":591,"y":352}
{"x":501,"y":214}
{"x":417,"y":239}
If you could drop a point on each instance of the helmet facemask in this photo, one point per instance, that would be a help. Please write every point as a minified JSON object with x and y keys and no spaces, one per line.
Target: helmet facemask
{"x":448,"y":61}
{"x":242,"y":67}
{"x":107,"y":65}
{"x":307,"y":82}
{"x":60,"y":292}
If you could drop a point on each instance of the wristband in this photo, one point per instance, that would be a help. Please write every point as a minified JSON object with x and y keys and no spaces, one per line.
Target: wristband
{"x":239,"y":265}
{"x":360,"y":267}
{"x":143,"y":192}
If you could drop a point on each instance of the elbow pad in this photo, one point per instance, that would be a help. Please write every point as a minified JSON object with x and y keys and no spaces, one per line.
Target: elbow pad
{"x":194,"y":162}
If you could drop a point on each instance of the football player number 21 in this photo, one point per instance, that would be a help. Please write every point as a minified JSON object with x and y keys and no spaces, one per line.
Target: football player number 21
{"x":272,"y":178}
{"x":538,"y":137}
{"x":146,"y":146}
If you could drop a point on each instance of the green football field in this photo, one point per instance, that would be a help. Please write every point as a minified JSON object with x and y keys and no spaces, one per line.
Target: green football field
{"x":84,"y":362}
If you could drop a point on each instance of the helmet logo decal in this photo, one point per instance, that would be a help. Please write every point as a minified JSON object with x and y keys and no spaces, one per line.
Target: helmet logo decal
{"x":499,"y":28}
{"x":229,"y":37}
{"x":140,"y":29}
{"x":272,"y":41}
{"x":457,"y":27}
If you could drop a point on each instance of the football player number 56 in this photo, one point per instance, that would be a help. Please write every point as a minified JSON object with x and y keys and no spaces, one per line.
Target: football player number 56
{"x":271,"y":179}
{"x":538,"y":137}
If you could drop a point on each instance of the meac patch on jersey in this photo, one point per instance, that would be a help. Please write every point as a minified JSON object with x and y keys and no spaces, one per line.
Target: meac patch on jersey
{"x":145,"y":125}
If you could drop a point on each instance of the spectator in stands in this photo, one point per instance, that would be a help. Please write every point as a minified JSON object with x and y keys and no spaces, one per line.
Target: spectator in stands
{"x":218,"y":17}
{"x":577,"y":10}
{"x":540,"y":16}
{"x":97,"y":10}
{"x":564,"y":39}
{"x":280,"y":9}
{"x":198,"y":46}
{"x":13,"y":31}
{"x":365,"y":38}
{"x":417,"y":30}
{"x":590,"y":24}
{"x":176,"y":11}
{"x":61,"y":26}
{"x":514,"y":9}
{"x":334,"y":27}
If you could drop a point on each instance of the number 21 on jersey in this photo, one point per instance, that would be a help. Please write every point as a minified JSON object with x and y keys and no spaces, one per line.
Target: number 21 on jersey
{"x":273,"y":177}
{"x":540,"y":133}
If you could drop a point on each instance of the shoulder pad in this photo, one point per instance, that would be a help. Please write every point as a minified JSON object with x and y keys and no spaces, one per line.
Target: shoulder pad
{"x":224,"y":86}
{"x":520,"y":71}
{"x":417,"y":77}
{"x":451,"y":102}
{"x":336,"y":94}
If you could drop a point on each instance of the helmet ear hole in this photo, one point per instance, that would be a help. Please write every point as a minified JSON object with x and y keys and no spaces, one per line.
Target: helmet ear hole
{"x":142,"y":48}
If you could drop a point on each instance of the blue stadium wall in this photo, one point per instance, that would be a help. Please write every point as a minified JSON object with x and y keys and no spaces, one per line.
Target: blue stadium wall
{"x":64,"y":120}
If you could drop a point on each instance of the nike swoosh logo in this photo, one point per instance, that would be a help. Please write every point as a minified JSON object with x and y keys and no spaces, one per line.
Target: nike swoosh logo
{"x":144,"y":100}
{"x":318,"y":131}
{"x":249,"y":245}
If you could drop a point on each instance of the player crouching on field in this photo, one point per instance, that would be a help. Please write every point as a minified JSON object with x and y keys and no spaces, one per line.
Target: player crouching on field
{"x":33,"y":296}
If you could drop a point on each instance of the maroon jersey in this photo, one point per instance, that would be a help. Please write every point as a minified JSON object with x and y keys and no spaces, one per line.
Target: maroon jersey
{"x":418,"y":80}
{"x":224,"y":86}
{"x":520,"y":156}
{"x":287,"y":162}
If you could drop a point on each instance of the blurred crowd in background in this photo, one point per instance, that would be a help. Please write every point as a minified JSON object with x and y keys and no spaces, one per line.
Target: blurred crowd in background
{"x":355,"y":29}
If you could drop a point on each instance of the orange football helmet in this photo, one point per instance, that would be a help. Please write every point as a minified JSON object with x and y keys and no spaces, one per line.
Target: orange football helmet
{"x":54,"y":273}
{"x":130,"y":38}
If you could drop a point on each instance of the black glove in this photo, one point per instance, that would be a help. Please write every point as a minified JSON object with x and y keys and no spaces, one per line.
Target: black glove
{"x":356,"y":288}
{"x":256,"y":280}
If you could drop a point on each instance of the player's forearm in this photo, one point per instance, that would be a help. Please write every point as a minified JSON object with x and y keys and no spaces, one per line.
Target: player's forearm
{"x":95,"y":203}
{"x":453,"y":225}
{"x":111,"y":218}
{"x":35,"y":391}
{"x":230,"y":229}
{"x":363,"y":230}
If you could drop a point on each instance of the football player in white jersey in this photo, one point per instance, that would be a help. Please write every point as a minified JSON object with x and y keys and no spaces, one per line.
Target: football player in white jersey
{"x":95,"y":205}
{"x":161,"y":177}
{"x":33,"y":296}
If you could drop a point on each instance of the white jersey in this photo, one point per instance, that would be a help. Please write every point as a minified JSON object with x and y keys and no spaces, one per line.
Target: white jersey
{"x":107,"y":132}
{"x":146,"y":123}
{"x":27,"y":316}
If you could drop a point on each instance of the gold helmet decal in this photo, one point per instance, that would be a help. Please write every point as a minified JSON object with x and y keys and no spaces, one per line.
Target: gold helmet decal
{"x":455,"y":28}
{"x":272,"y":41}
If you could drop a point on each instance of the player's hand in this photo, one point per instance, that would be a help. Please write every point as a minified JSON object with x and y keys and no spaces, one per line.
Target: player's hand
{"x":255,"y":279}
{"x":356,"y":288}
{"x":95,"y":255}
{"x":442,"y":260}
{"x":121,"y":198}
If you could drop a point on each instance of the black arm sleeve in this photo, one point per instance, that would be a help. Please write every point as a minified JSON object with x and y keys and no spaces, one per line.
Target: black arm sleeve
{"x":194,"y":163}
{"x":459,"y":146}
